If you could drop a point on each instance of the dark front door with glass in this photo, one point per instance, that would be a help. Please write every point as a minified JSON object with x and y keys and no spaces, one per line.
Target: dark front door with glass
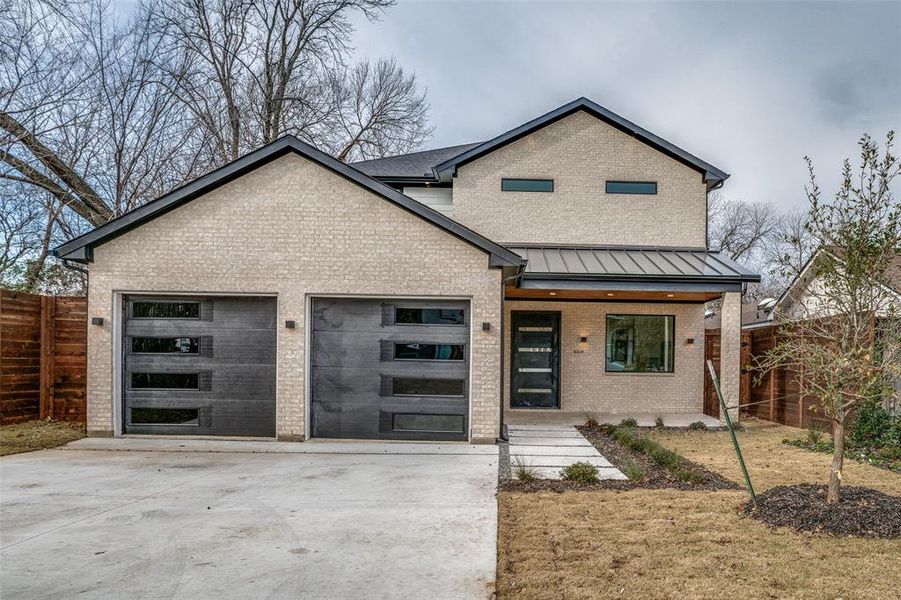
{"x":535,"y":377}
{"x":199,"y":365}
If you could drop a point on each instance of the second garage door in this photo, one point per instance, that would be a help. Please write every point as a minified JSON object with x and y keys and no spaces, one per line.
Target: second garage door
{"x":390,"y":369}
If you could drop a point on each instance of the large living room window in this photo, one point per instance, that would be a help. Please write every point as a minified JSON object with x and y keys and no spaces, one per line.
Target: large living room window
{"x":527,"y":185}
{"x":640,"y":343}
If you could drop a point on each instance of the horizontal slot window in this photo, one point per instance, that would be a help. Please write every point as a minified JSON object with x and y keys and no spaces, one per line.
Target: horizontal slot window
{"x":165,"y":345}
{"x":164,"y":416}
{"x":415,"y":386}
{"x":527,"y":185}
{"x":428,"y":423}
{"x":414,"y":351}
{"x":640,"y":343}
{"x":429,"y":316}
{"x":165,"y":310}
{"x":631,"y":187}
{"x":165,"y":381}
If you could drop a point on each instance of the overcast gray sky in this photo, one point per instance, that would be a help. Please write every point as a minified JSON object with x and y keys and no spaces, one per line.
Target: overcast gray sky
{"x":748,"y":86}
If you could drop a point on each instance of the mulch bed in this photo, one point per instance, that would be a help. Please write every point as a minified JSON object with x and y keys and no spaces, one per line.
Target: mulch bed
{"x":655,"y":476}
{"x":862,"y":512}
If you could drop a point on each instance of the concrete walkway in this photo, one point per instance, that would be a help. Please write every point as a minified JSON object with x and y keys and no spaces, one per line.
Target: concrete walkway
{"x":549,"y":448}
{"x":533,"y":417}
{"x":192,"y":520}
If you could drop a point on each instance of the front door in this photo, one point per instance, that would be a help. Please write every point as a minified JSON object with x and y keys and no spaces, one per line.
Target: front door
{"x":535,"y":364}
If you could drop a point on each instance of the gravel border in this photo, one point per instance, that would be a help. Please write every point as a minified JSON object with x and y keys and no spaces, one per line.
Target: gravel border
{"x":504,"y":470}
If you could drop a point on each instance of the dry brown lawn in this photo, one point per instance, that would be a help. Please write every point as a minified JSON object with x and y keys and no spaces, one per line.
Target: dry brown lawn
{"x":37,"y":435}
{"x":647,"y":543}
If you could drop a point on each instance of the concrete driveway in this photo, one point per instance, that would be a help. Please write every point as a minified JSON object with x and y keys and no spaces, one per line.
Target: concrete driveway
{"x":315,"y":520}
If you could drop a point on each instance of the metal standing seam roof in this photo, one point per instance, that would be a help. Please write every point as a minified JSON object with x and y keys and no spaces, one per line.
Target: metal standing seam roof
{"x":678,"y":264}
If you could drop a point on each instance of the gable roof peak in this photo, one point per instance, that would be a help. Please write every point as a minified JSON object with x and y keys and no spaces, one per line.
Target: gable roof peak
{"x":713,"y":176}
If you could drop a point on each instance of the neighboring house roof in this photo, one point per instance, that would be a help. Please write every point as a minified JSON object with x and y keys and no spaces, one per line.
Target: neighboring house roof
{"x":712,"y":175}
{"x":803,"y":278}
{"x":709,"y":269}
{"x":417,"y":165}
{"x":81,"y":248}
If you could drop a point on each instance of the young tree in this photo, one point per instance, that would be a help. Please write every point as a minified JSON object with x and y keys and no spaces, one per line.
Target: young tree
{"x":843,"y":331}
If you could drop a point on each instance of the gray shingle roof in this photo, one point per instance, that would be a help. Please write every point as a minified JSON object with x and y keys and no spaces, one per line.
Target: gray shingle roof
{"x":586,"y":262}
{"x":416,"y":164}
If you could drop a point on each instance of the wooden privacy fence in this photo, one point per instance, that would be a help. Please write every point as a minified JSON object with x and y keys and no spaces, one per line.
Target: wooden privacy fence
{"x":774,"y":395}
{"x":43,"y":357}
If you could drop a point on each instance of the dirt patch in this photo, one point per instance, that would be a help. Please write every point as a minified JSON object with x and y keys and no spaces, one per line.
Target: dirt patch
{"x":862,"y":512}
{"x":653,"y":476}
{"x":37,"y":435}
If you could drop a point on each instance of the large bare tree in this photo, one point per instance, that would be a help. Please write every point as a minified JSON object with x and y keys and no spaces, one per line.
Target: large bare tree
{"x":99,"y":114}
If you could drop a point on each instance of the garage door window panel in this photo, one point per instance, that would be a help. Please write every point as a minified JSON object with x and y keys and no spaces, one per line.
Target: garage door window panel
{"x":421,"y":423}
{"x":165,"y":345}
{"x":430,"y":316}
{"x":421,"y":386}
{"x":165,"y":381}
{"x":429,"y":352}
{"x":165,"y":309}
{"x":164,"y":416}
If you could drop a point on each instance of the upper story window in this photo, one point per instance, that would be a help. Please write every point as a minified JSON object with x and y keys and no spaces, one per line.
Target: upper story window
{"x":527,"y":185}
{"x":631,"y":187}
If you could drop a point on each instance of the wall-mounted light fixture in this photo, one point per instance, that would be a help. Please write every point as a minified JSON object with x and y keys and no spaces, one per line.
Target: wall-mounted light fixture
{"x":97,"y":321}
{"x":689,"y":341}
{"x":290,"y":324}
{"x":486,"y":326}
{"x":583,"y":339}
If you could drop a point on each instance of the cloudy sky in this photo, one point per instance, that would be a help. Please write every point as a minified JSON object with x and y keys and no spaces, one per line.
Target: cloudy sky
{"x":748,"y":86}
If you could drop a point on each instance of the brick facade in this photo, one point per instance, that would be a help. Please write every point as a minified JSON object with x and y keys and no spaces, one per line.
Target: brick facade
{"x":580,"y":153}
{"x":584,"y":384}
{"x":291,"y":228}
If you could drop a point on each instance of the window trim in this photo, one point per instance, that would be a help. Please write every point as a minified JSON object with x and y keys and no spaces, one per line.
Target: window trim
{"x":609,"y":181}
{"x":399,"y":324}
{"x":395,"y":343}
{"x":671,"y":371}
{"x":131,"y":347}
{"x":462,"y":380}
{"x":505,"y":180}
{"x":131,"y":375}
{"x":131,"y":310}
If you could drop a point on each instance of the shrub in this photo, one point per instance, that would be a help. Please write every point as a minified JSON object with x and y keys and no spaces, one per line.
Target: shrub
{"x":698,"y":426}
{"x":632,"y":470}
{"x":630,"y":422}
{"x":874,"y":426}
{"x":658,"y":422}
{"x":590,"y":421}
{"x":814,"y":434}
{"x":581,"y":472}
{"x":523,"y":471}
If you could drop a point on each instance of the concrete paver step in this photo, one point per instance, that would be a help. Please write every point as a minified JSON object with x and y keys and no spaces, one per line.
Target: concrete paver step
{"x":543,"y":441}
{"x":573,"y":451}
{"x":554,"y":473}
{"x":557,"y":461}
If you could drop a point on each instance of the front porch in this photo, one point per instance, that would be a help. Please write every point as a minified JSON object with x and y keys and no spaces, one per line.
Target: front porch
{"x":617,"y":333}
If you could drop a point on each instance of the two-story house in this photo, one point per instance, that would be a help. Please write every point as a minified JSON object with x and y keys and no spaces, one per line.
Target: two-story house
{"x":561,"y":267}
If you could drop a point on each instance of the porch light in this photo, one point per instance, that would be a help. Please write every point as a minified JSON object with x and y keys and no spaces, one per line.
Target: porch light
{"x":290,"y":324}
{"x":583,"y":339}
{"x":689,"y":341}
{"x":97,"y":321}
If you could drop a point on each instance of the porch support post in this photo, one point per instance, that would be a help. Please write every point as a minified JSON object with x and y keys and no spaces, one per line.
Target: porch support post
{"x":730,"y":351}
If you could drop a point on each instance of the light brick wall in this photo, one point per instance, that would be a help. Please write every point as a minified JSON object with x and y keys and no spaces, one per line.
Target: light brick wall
{"x":584,"y":384}
{"x":730,"y":351}
{"x":580,"y":153}
{"x":292,"y":228}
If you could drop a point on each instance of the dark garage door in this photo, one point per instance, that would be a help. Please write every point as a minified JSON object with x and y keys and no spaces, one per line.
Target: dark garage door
{"x":199,"y":365}
{"x":390,"y":369}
